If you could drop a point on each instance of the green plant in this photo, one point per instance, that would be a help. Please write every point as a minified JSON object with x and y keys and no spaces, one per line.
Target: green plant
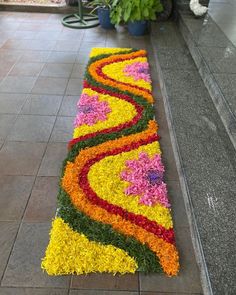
{"x":103,"y":4}
{"x":135,"y":10}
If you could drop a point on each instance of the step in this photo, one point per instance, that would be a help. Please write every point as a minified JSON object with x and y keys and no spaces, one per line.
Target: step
{"x":215,"y":58}
{"x":205,"y":157}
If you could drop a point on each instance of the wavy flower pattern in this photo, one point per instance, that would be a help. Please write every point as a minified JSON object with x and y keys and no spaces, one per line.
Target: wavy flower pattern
{"x":113,"y":210}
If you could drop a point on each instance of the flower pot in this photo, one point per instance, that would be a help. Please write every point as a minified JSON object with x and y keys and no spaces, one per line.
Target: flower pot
{"x":138,"y":28}
{"x":104,"y":18}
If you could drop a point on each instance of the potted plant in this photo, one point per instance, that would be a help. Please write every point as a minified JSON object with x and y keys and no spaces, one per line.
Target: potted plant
{"x":104,"y":8}
{"x":136,"y":13}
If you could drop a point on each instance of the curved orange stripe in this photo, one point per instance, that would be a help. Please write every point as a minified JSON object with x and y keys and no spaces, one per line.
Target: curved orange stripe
{"x":116,"y":84}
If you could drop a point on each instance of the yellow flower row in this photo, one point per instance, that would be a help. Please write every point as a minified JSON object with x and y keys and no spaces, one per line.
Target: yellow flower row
{"x":69,"y":252}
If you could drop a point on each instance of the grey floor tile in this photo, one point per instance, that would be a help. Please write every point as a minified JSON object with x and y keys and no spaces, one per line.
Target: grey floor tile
{"x":8,"y":231}
{"x":53,"y":158}
{"x":23,"y":269}
{"x":63,"y":129}
{"x":26,"y":69}
{"x":83,"y":55}
{"x":10,"y":55}
{"x":5,"y":68}
{"x":62,"y":57}
{"x":14,"y":194}
{"x":6,"y":123}
{"x":37,"y":104}
{"x":69,"y":106}
{"x":178,"y":212}
{"x":187,"y":281}
{"x":67,"y":35}
{"x":78,"y":71}
{"x":34,"y":56}
{"x":42,"y":202}
{"x":74,"y":87}
{"x":32,"y":291}
{"x":32,"y":128}
{"x":57,"y":70}
{"x":48,"y":85}
{"x":21,"y":158}
{"x":128,"y":282}
{"x":64,"y":45}
{"x":97,"y":292}
{"x":47,"y":35}
{"x":17,"y":84}
{"x":11,"y":103}
{"x":1,"y":143}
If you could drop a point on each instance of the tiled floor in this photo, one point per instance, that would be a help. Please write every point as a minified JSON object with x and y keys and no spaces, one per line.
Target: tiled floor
{"x":42,"y":66}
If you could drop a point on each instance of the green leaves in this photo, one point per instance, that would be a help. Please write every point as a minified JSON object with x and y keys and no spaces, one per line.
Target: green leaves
{"x":134,"y":10}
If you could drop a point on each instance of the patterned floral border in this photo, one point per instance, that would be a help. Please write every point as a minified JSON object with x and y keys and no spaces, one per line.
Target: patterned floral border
{"x":113,"y":209}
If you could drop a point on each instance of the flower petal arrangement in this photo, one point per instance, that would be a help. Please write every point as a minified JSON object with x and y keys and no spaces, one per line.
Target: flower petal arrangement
{"x":113,"y":209}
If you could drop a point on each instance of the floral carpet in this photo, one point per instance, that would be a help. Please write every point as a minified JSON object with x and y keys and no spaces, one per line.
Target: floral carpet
{"x":113,"y":209}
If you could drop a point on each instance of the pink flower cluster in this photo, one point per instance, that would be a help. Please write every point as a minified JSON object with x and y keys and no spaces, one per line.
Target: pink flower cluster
{"x":146,"y":178}
{"x":138,"y":70}
{"x":91,"y":110}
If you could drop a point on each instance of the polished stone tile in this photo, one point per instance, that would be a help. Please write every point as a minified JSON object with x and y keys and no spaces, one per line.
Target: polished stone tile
{"x":57,"y":70}
{"x":32,"y":291}
{"x":74,"y":87}
{"x":14,"y":194}
{"x":99,"y":292}
{"x":26,"y":69}
{"x":23,"y":269}
{"x":42,"y":202}
{"x":206,"y":33}
{"x":48,"y":85}
{"x":6,"y":123}
{"x":227,"y":83}
{"x":188,"y":280}
{"x":175,"y":59}
{"x":21,"y":158}
{"x":8,"y":231}
{"x":180,"y":83}
{"x":166,"y":36}
{"x":220,"y":60}
{"x":11,"y":103}
{"x":32,"y":128}
{"x":35,"y":104}
{"x":78,"y":71}
{"x":53,"y":158}
{"x":69,"y":106}
{"x":62,"y":57}
{"x":106,"y":282}
{"x":17,"y":84}
{"x":63,"y":129}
